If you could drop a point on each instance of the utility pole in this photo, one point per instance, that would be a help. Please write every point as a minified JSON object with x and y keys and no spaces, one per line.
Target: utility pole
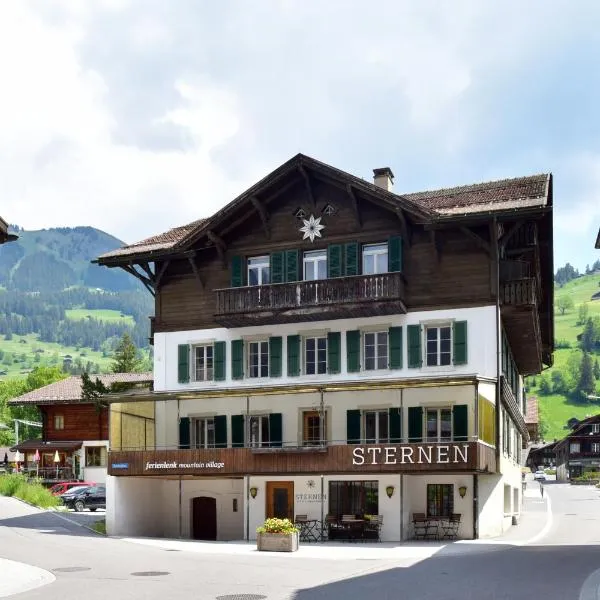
{"x":31,"y":423}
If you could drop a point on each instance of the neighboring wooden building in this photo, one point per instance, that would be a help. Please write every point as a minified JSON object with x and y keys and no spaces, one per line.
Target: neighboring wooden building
{"x":76,"y":430}
{"x":579,"y":451}
{"x":532,"y":419}
{"x":542,"y":456}
{"x":323,"y":345}
{"x":4,"y":235}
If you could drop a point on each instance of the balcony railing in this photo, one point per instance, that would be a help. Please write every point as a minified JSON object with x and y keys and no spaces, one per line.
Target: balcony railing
{"x":341,"y":296}
{"x":519,"y":292}
{"x":470,"y":457}
{"x":512,"y":406}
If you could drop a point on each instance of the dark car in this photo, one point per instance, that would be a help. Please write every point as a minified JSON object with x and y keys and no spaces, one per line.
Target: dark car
{"x":92,"y":497}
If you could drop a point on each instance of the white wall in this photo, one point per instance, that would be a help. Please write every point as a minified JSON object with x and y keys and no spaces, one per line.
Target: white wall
{"x":95,"y":474}
{"x":492,"y":520}
{"x":481,"y":346}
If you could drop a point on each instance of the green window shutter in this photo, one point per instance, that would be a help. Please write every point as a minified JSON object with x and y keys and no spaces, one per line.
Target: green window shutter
{"x":333,"y":352}
{"x":334,"y":261}
{"x":237,"y":271}
{"x":292,"y":264}
{"x":237,"y":431}
{"x":293,"y":355}
{"x":275,"y":357}
{"x":395,"y":254}
{"x":415,"y":424}
{"x":277,"y":267}
{"x":460,"y":423}
{"x":221,"y":431}
{"x":415,"y":359}
{"x":460,"y":342}
{"x":183,"y":363}
{"x":276,"y":429}
{"x":237,"y":359}
{"x":220,"y":361}
{"x":351,"y":258}
{"x":353,"y":426}
{"x":184,"y":433}
{"x":395,"y":425}
{"x":353,"y":351}
{"x":395,"y":334}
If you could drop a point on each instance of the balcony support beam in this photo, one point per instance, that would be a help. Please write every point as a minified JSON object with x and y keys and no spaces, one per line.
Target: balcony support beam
{"x":403,"y":226}
{"x":191,"y":256}
{"x":308,"y":186}
{"x":220,"y":245}
{"x":355,"y":207}
{"x":264,"y":215}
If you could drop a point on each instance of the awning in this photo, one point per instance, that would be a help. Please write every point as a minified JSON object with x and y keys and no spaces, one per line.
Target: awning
{"x":42,"y":446}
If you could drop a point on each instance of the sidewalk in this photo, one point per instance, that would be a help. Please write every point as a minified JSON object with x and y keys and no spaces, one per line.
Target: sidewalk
{"x":16,"y":577}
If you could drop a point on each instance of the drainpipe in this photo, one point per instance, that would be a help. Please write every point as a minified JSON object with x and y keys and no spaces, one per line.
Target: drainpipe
{"x":246,"y":429}
{"x":180,"y":513}
{"x":475,"y":507}
{"x":498,"y":339}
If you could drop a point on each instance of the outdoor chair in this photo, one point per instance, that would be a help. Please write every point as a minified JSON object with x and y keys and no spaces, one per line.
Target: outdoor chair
{"x":373,"y":527}
{"x":450,"y":527}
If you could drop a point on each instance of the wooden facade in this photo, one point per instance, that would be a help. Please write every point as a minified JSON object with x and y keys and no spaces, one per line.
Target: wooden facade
{"x":79,"y":422}
{"x":337,"y":459}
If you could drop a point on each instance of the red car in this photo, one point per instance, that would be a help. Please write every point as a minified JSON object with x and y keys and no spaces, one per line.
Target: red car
{"x":60,"y":488}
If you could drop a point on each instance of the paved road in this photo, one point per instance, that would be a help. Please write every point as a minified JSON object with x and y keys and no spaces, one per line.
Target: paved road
{"x":560,"y":565}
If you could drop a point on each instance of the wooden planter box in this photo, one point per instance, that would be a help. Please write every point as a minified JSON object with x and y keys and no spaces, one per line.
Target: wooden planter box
{"x":277,"y":542}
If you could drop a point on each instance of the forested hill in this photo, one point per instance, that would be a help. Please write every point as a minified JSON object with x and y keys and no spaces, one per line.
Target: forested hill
{"x":56,"y":308}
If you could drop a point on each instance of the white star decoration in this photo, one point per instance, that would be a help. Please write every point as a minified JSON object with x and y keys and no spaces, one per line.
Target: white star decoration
{"x":312,"y":228}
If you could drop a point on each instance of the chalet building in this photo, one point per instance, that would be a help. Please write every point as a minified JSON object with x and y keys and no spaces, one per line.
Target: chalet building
{"x":73,"y":431}
{"x":324,"y":346}
{"x":542,"y":455}
{"x":4,"y":235}
{"x":579,"y":451}
{"x":532,"y":419}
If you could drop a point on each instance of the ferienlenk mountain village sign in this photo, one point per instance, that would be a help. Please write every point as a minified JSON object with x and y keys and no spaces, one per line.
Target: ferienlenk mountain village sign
{"x":400,"y":455}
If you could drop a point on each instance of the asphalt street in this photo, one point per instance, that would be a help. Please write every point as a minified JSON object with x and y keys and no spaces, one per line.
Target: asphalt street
{"x":560,"y":563}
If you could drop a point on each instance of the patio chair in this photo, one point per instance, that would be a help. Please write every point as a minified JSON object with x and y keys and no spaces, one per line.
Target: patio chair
{"x":420,"y":526}
{"x":450,"y":527}
{"x":300,"y":518}
{"x":373,"y":525}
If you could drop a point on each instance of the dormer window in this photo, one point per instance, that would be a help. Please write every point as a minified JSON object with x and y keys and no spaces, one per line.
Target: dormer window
{"x":259,"y":271}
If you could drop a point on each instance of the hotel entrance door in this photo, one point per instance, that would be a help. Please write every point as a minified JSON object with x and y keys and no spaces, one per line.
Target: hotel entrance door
{"x":280,"y":500}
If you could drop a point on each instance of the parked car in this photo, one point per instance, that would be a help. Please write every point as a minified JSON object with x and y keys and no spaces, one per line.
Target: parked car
{"x":539,"y":475}
{"x":92,"y":497}
{"x":60,"y":488}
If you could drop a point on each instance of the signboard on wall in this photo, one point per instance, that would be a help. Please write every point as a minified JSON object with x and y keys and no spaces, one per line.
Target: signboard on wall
{"x":434,"y":454}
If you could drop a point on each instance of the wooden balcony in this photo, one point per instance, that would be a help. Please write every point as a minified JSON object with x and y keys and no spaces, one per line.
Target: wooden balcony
{"x":451,"y":457}
{"x":519,"y":300}
{"x":512,"y":406}
{"x":338,"y":298}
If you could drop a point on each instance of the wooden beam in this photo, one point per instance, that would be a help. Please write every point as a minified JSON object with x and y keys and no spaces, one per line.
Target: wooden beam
{"x":403,"y":226}
{"x":191,"y":256}
{"x":494,"y":259}
{"x":355,"y":207}
{"x":435,"y":242}
{"x":148,"y":284}
{"x":477,"y":239}
{"x":160,"y":272}
{"x":309,"y":189}
{"x":264,"y":215}
{"x":146,"y":267}
{"x":220,"y":245}
{"x":506,"y":237}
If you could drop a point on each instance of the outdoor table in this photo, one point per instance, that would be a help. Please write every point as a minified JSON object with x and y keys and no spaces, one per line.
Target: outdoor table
{"x":354,"y":527}
{"x":310,"y":530}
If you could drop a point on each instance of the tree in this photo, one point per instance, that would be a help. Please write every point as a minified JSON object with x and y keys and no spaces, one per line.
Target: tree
{"x":565,"y":303}
{"x":588,"y":336}
{"x":583,"y":313}
{"x":93,"y":391}
{"x":596,"y":369}
{"x":559,"y":385}
{"x":545,"y":386}
{"x":585,"y":385}
{"x":126,"y":358}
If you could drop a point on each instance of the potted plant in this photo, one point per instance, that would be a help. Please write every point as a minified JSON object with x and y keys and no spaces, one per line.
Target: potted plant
{"x":277,"y":535}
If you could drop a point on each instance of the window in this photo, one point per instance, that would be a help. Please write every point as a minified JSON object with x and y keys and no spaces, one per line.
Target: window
{"x":259,"y":271}
{"x":375,"y":259}
{"x":440,"y":499}
{"x":595,"y":448}
{"x":203,"y":433}
{"x":315,"y":265}
{"x":439,"y":344}
{"x":575,"y":448}
{"x":315,"y":355}
{"x":258,"y":359}
{"x":203,"y":363}
{"x":376,"y":350}
{"x":59,"y":422}
{"x":596,"y":428}
{"x":376,"y":426}
{"x":95,"y":456}
{"x":258,"y":431}
{"x":439,"y":424}
{"x":311,"y":432}
{"x":353,"y":498}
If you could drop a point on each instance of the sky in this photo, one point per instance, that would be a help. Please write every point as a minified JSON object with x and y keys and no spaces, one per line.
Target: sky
{"x":134,"y":116}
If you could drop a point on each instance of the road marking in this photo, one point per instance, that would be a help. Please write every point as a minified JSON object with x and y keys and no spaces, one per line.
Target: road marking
{"x":546,"y":528}
{"x":590,"y":590}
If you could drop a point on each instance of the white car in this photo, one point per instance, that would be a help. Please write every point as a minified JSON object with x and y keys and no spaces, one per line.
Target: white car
{"x":540,"y":475}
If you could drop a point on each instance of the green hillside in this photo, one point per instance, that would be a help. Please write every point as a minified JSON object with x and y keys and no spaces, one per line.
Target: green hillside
{"x":557,"y":388}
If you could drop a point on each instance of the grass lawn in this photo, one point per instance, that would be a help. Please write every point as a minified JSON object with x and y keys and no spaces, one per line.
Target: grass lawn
{"x":556,"y":410}
{"x":78,"y":314}
{"x":581,"y":290}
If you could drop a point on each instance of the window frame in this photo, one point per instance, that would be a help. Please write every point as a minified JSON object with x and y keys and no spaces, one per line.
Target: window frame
{"x":595,"y":427}
{"x":58,"y":422}
{"x":196,"y":444}
{"x":443,"y":499}
{"x":438,"y":438}
{"x":194,"y":367}
{"x":314,"y":257}
{"x":317,"y":351}
{"x":264,"y":264}
{"x":375,"y":250}
{"x":100,"y":461}
{"x":376,"y":356}
{"x":261,"y":420}
{"x":378,"y":439}
{"x":596,"y":447}
{"x":574,"y":448}
{"x":260,"y":356}
{"x":438,"y":326}
{"x":314,"y":441}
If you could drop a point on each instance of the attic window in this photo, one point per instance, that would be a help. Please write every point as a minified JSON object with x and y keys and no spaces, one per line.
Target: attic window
{"x":299,"y":213}
{"x":329,"y":210}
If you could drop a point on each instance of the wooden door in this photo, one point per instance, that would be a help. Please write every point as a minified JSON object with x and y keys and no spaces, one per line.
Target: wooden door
{"x":204,"y":518}
{"x":280,"y":499}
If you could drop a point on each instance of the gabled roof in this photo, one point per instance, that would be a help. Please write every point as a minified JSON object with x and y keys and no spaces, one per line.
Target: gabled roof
{"x":431,"y":206}
{"x":576,"y":431}
{"x":68,"y":391}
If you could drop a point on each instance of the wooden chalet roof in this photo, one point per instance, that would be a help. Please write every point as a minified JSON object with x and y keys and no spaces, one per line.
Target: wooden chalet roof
{"x":506,"y":195}
{"x":68,"y":391}
{"x":598,"y":240}
{"x":4,"y":235}
{"x":532,"y":414}
{"x":577,"y":429}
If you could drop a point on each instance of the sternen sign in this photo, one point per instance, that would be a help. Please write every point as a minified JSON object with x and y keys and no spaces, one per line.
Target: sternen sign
{"x":419,"y":455}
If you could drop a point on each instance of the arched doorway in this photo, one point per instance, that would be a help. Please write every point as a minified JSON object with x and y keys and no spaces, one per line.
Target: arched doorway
{"x":204,"y":518}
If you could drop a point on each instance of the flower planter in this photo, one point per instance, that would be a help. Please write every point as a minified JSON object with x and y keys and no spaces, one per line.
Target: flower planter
{"x":277,"y":542}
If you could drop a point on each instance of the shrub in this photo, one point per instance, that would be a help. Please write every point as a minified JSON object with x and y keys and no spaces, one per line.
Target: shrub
{"x":561,"y":344}
{"x":550,"y":471}
{"x":277,"y":526}
{"x":34,"y":492}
